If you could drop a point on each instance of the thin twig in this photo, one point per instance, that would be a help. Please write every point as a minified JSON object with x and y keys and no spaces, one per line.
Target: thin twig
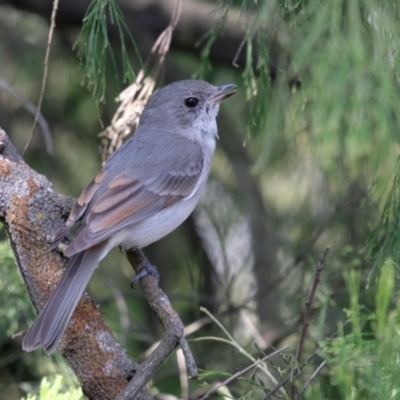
{"x":289,"y":377}
{"x":249,"y":33}
{"x":183,"y":376}
{"x":241,"y":372}
{"x":306,"y":318}
{"x":312,"y":377}
{"x":173,"y":331}
{"x":33,"y":110}
{"x":189,"y":330}
{"x":298,"y":370}
{"x":190,"y":362}
{"x":45,"y":72}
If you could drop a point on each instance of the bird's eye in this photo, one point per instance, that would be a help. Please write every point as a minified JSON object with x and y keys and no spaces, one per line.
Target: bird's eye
{"x":191,"y":102}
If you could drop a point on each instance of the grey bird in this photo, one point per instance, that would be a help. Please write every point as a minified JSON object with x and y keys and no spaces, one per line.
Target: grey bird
{"x":147,"y":188}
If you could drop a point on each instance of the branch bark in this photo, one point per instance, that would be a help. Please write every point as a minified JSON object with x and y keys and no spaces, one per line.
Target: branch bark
{"x":32,"y":213}
{"x":173,"y":332}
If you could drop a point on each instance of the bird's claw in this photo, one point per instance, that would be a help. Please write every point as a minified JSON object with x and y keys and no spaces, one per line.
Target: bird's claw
{"x":146,"y":269}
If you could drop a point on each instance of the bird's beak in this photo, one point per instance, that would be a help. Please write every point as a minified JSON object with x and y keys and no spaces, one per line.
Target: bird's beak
{"x":222,"y":92}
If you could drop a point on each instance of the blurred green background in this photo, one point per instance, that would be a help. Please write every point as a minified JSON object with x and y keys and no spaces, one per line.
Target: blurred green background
{"x":307,"y":157}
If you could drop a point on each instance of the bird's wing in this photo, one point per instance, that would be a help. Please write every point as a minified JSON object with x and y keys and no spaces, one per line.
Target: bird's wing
{"x":132,"y":196}
{"x":80,"y":207}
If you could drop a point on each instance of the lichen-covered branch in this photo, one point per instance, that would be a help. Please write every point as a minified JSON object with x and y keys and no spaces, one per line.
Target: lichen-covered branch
{"x":32,"y":213}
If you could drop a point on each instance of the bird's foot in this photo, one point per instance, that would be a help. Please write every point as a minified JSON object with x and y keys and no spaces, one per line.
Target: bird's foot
{"x":146,"y":269}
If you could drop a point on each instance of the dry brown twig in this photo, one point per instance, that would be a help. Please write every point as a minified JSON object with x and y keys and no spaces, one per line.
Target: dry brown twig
{"x":291,"y":376}
{"x":134,"y":98}
{"x":33,"y":110}
{"x":241,"y":372}
{"x":299,"y":369}
{"x":312,"y":377}
{"x":306,"y":318}
{"x":173,"y":332}
{"x":45,"y":72}
{"x":189,"y":330}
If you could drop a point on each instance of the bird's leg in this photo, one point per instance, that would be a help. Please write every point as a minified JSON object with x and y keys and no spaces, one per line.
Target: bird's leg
{"x":145,"y":268}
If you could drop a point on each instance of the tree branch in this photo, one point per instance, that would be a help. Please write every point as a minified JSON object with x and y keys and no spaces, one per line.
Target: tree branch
{"x":173,"y":335}
{"x":32,"y":213}
{"x":306,"y":317}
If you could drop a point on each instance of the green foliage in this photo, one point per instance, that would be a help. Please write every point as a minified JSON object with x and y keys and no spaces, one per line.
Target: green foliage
{"x":54,"y":389}
{"x":14,"y":299}
{"x":206,"y":42}
{"x":346,"y":56}
{"x":16,"y":313}
{"x":263,"y":96}
{"x":364,"y":363}
{"x":259,"y":369}
{"x":385,"y":238}
{"x":362,"y":360}
{"x":93,"y":45}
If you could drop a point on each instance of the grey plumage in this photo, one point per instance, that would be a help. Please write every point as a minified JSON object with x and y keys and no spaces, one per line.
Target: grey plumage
{"x":51,"y":323}
{"x":147,"y":188}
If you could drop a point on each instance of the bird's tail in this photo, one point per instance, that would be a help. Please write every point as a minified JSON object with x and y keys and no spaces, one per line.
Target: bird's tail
{"x":52,"y":321}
